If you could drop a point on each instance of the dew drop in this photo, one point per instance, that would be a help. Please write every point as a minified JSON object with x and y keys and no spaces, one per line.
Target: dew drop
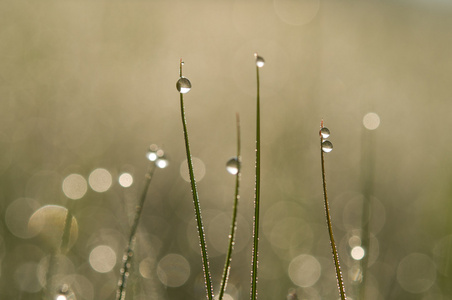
{"x":232,"y":166}
{"x":259,"y":60}
{"x":327,"y":146}
{"x":183,"y":85}
{"x":324,"y":132}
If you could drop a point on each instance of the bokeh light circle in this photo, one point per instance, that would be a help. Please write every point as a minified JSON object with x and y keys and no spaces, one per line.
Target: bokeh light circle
{"x":146,"y":267}
{"x":102,"y":259}
{"x":100,"y":180}
{"x":26,"y":277}
{"x":75,"y":186}
{"x":125,"y":180}
{"x":48,"y":223}
{"x":371,"y":121}
{"x":357,"y":253}
{"x":416,"y":273}
{"x":304,"y":270}
{"x":199,"y":169}
{"x":173,"y":270}
{"x":18,"y":214}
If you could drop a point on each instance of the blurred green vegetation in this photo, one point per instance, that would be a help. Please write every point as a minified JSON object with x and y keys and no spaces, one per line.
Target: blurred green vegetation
{"x":89,"y":85}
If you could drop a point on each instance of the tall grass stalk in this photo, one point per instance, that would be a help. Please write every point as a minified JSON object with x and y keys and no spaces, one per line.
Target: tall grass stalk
{"x":255,"y":253}
{"x":227,"y":264}
{"x":128,"y":254}
{"x":202,"y":238}
{"x":340,"y":281}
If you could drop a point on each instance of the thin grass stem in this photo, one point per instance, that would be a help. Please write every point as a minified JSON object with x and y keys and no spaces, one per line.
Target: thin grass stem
{"x":52,"y":268}
{"x":128,"y":254}
{"x":227,"y":264}
{"x":340,"y":281}
{"x":255,"y":253}
{"x":367,"y":191}
{"x":202,"y":238}
{"x":67,"y":228}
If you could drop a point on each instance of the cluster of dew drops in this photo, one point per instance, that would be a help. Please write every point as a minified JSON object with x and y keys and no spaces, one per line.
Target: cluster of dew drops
{"x":327,"y":146}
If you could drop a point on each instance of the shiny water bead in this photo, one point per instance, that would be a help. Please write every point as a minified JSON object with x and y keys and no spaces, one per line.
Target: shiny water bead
{"x":327,"y":146}
{"x":183,"y":85}
{"x":324,"y":132}
{"x":259,"y":61}
{"x":162,"y":162}
{"x":232,"y":166}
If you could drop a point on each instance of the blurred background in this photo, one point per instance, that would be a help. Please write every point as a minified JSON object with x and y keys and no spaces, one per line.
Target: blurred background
{"x":86,"y":87}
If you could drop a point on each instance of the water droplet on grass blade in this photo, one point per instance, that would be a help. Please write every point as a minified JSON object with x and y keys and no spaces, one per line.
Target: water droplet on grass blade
{"x":259,"y":60}
{"x":324,"y":132}
{"x":232,"y":166}
{"x":183,"y":85}
{"x":327,"y":146}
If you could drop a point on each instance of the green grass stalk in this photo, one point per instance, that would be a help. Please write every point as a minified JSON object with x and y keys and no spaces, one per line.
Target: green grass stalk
{"x":340,"y":281}
{"x":255,"y":253}
{"x":202,"y":238}
{"x":128,"y":254}
{"x":227,"y":264}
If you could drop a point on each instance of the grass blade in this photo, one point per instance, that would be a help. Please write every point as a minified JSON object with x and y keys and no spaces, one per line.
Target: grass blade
{"x":128,"y":254}
{"x":202,"y":238}
{"x":340,"y":281}
{"x":227,"y":264}
{"x":255,"y":254}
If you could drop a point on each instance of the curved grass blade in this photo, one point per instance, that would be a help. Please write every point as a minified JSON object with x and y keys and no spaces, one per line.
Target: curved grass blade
{"x":128,"y":254}
{"x":340,"y":281}
{"x":227,"y":264}
{"x":254,"y":261}
{"x":202,"y":238}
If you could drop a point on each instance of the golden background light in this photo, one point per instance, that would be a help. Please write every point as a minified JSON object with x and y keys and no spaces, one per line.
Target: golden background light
{"x":100,"y":180}
{"x":86,"y":87}
{"x":48,"y":222}
{"x":125,"y":180}
{"x":75,"y":186}
{"x":102,"y":259}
